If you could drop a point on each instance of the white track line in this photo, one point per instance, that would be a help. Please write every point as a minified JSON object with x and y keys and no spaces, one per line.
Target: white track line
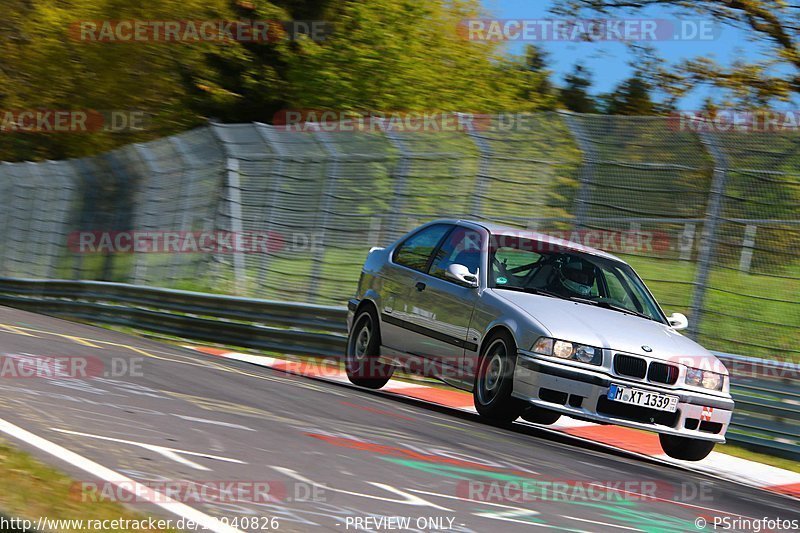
{"x":110,"y":476}
{"x":749,"y":473}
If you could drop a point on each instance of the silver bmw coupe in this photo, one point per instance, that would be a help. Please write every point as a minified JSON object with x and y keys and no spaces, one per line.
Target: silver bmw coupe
{"x":536,"y":327}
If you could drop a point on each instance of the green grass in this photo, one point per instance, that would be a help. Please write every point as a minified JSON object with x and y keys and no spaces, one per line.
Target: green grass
{"x":30,"y":489}
{"x":744,"y":453}
{"x":734,"y":322}
{"x":745,"y":317}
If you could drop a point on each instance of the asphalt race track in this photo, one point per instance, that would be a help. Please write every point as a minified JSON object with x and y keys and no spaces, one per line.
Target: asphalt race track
{"x":335,"y":457}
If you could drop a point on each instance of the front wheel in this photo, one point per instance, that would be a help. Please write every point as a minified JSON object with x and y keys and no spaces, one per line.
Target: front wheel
{"x":685,"y":448}
{"x":494,"y":381}
{"x":539,"y":415}
{"x":363,"y":348}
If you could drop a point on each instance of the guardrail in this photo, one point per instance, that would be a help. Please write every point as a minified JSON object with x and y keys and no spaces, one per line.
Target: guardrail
{"x":767,"y":393}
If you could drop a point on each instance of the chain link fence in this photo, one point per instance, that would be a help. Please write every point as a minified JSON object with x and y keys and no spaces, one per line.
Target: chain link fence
{"x":710,"y":220}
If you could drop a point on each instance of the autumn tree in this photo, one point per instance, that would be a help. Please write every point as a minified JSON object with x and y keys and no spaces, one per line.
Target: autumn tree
{"x":756,"y":82}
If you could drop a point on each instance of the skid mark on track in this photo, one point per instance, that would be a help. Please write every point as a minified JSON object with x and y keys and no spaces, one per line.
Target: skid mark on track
{"x":170,"y":453}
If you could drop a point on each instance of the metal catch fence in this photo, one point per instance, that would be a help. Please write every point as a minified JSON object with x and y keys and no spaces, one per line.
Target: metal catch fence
{"x":710,"y":220}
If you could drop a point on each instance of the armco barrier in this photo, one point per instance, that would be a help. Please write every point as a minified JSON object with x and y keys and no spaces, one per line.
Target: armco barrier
{"x":767,"y":393}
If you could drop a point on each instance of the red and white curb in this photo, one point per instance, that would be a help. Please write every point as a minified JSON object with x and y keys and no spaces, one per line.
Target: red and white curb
{"x":717,"y":464}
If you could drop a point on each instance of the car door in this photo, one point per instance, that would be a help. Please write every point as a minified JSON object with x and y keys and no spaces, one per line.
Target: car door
{"x":408,"y":261}
{"x":441,"y":308}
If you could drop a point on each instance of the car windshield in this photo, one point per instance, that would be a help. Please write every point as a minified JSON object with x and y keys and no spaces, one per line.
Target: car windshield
{"x":522,"y":264}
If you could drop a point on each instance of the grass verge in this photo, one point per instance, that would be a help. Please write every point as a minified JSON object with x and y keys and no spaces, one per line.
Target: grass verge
{"x":30,"y":489}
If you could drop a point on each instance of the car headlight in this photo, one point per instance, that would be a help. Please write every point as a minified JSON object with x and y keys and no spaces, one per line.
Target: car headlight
{"x":704,"y":378}
{"x":568,"y":350}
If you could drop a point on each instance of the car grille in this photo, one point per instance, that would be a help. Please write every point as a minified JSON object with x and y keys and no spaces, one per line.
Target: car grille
{"x":626,"y":365}
{"x":636,"y":367}
{"x":662,"y":373}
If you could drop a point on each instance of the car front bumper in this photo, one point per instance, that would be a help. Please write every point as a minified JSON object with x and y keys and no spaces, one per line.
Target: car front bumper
{"x":582,"y":393}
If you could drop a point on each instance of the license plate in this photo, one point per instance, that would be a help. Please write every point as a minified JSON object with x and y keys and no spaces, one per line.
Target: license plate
{"x":643,"y":398}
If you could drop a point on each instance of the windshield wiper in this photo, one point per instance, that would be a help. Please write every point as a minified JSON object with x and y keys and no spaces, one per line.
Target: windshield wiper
{"x":613,"y":307}
{"x":533,"y":290}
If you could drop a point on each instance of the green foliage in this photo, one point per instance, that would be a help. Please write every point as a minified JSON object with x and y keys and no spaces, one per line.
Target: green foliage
{"x":575,"y":93}
{"x":631,"y":97}
{"x":774,"y":75}
{"x":386,"y":55}
{"x":405,"y":55}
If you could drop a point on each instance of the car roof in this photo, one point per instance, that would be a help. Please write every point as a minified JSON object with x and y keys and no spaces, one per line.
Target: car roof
{"x":500,"y":229}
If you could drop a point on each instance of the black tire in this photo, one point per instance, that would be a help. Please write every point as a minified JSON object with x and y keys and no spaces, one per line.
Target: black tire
{"x":363,"y":348}
{"x":494,"y":380}
{"x":540,"y":415}
{"x":685,"y":448}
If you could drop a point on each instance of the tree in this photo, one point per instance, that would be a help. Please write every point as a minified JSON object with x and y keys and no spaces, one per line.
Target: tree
{"x":406,"y":55}
{"x":537,"y":88}
{"x":390,"y":55}
{"x":631,"y":97}
{"x":774,"y":23}
{"x":46,"y":65}
{"x":575,"y":93}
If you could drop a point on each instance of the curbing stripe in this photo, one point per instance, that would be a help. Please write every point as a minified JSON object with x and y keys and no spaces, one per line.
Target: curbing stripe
{"x":750,"y":473}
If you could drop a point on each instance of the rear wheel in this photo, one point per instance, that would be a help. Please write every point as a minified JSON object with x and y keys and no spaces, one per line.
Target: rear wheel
{"x":685,"y":448}
{"x":363,"y":348}
{"x":494,"y":380}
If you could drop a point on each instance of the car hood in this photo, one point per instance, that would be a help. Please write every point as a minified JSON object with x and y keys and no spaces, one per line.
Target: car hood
{"x":604,"y":328}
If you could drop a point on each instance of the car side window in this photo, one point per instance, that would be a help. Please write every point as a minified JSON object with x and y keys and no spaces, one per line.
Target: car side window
{"x":462,"y":247}
{"x":415,"y":251}
{"x":512,"y":266}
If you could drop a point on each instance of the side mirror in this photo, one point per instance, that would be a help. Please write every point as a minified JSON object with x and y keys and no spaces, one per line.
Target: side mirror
{"x":461,"y":275}
{"x":678,"y":321}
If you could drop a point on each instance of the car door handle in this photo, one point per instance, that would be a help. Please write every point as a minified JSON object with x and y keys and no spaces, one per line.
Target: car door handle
{"x":420,"y":286}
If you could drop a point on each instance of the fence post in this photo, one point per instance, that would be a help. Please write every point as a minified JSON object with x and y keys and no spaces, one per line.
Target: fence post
{"x":331,"y":176}
{"x":401,"y":172}
{"x":231,"y":206}
{"x":233,"y":196}
{"x":588,"y":160}
{"x":140,"y":262}
{"x":188,"y":180}
{"x":748,"y":244}
{"x":708,"y":236}
{"x":484,"y":163}
{"x":686,"y":243}
{"x":277,"y":179}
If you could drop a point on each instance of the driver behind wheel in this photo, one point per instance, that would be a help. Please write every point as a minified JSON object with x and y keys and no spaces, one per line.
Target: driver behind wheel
{"x":573,"y":276}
